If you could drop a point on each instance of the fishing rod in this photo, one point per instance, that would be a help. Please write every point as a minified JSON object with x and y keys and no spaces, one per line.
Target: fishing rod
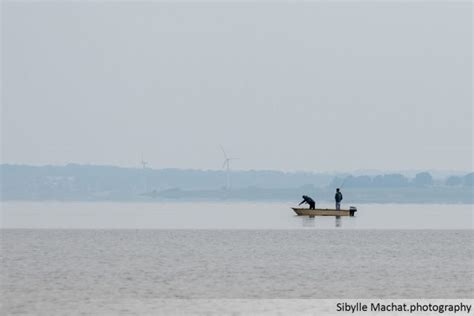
{"x":343,"y":182}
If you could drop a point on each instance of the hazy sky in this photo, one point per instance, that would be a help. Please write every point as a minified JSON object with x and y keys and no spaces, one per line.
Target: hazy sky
{"x":298,"y":86}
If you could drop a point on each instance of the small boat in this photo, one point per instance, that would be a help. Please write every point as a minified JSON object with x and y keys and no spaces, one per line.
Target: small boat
{"x":324,"y":211}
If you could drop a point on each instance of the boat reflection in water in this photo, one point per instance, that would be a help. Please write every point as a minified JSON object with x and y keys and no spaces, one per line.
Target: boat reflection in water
{"x":310,"y":221}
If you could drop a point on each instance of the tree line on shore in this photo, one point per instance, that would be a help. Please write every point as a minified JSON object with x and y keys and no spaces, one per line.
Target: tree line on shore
{"x":422,"y":179}
{"x":89,"y":182}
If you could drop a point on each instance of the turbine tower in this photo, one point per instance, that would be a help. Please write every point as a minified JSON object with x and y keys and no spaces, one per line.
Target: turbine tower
{"x":226,"y":165}
{"x":144,"y":168}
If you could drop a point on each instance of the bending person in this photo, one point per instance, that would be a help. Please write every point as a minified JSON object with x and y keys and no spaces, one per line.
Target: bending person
{"x":309,"y":201}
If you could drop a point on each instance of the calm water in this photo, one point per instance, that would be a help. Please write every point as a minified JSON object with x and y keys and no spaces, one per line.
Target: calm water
{"x":100,"y":271}
{"x":228,"y":216}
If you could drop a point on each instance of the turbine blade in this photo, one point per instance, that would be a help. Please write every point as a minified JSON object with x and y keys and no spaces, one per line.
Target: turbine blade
{"x":223,"y":151}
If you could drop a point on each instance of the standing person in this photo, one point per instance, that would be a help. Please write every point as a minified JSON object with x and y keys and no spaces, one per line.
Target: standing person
{"x":310,"y":201}
{"x":338,"y":198}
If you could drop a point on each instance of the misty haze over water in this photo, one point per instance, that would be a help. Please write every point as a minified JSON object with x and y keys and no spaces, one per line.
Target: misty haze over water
{"x":186,"y":122}
{"x":314,"y":85}
{"x":228,"y":215}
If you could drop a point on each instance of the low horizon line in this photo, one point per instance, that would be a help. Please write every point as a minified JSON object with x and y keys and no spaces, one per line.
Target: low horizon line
{"x":239,"y":169}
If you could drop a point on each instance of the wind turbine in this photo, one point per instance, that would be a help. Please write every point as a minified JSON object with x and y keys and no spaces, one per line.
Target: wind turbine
{"x":144,"y":166}
{"x":226,"y":165}
{"x":144,"y":163}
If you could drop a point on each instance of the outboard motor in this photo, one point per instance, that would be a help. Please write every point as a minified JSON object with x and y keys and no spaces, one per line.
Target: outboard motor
{"x":352,"y":210}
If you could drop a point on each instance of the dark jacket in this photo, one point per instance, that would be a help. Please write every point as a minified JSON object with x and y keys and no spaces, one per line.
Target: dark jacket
{"x":307,"y":199}
{"x":338,"y":197}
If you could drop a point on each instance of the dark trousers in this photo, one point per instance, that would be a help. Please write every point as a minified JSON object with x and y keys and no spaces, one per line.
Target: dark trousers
{"x":312,"y":206}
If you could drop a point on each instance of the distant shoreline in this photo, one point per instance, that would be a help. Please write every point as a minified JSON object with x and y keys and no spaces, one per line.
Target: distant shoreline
{"x":261,"y":201}
{"x":85,"y":183}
